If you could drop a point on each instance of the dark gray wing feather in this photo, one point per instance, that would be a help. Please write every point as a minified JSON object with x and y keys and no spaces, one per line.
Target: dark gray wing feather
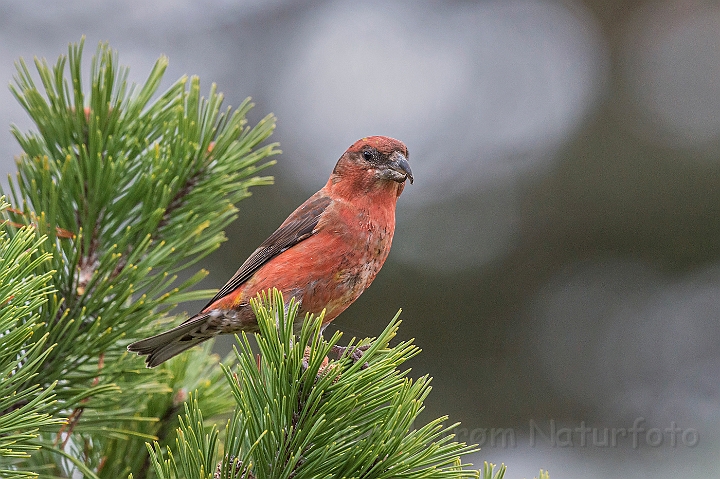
{"x":297,"y":227}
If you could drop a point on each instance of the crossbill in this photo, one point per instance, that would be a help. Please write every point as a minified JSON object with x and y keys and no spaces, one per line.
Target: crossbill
{"x":325,"y":254}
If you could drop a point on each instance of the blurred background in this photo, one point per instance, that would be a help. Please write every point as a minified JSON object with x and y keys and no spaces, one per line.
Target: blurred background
{"x":558,"y":257}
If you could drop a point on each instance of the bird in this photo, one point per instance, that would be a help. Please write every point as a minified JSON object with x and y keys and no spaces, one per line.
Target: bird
{"x":325,"y":254}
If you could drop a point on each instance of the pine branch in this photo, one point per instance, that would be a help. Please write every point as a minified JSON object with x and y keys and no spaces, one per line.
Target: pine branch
{"x":23,"y":411}
{"x":298,"y":416}
{"x":129,"y":188}
{"x":118,"y":190}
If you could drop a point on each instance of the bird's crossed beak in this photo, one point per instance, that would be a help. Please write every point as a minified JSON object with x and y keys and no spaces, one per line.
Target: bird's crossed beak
{"x":399,"y":168}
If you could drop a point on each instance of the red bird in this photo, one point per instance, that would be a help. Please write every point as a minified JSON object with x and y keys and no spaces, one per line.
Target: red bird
{"x":324,"y":254}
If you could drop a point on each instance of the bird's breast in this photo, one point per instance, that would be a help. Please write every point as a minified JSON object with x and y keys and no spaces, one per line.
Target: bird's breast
{"x":330,"y":269}
{"x":356,"y":248}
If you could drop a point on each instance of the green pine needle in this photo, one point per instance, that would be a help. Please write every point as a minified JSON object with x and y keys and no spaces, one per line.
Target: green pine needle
{"x":25,"y":408}
{"x":120,"y":187}
{"x":299,"y":416}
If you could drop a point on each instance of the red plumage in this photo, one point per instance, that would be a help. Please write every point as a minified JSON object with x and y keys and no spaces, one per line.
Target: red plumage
{"x":325,"y":254}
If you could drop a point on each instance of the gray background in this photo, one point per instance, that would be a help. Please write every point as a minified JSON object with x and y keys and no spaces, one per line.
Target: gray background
{"x":556,"y":258}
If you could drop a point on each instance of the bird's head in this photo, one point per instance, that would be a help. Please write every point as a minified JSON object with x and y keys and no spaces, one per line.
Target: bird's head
{"x":375,"y":162}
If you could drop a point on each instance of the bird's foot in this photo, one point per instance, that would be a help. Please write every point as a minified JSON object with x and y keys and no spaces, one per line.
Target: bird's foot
{"x":355,"y":353}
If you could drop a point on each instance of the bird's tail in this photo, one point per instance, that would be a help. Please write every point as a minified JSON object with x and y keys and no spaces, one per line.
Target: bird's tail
{"x":161,"y":347}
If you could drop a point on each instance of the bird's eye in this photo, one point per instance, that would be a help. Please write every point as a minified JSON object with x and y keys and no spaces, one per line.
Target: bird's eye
{"x":368,"y":155}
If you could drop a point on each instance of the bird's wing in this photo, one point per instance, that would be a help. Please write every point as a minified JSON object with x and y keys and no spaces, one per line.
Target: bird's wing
{"x":298,"y":226}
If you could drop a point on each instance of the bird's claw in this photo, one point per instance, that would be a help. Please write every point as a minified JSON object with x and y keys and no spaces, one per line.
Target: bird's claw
{"x":355,"y":353}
